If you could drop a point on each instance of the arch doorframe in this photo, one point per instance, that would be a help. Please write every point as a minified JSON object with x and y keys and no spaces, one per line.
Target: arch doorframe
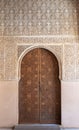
{"x":28,"y":49}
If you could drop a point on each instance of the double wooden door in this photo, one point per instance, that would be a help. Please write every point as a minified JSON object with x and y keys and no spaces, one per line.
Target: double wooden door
{"x":39,"y":88}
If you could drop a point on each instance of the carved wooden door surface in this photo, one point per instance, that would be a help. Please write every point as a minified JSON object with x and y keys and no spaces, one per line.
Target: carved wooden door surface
{"x":39,"y":91}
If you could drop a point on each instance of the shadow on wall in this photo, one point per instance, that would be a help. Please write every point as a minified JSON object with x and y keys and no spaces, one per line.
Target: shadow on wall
{"x":73,"y":19}
{"x":75,"y":6}
{"x":77,"y":15}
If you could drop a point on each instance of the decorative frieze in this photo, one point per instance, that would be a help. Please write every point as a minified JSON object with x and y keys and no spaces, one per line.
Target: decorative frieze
{"x":1,"y":60}
{"x":69,"y":62}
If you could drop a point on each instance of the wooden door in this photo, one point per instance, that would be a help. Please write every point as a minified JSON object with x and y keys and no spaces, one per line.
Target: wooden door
{"x":50,"y":92}
{"x":39,"y":92}
{"x":29,"y":88}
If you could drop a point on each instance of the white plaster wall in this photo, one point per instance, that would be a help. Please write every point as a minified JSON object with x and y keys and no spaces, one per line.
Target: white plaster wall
{"x":70,"y":104}
{"x":8,"y":103}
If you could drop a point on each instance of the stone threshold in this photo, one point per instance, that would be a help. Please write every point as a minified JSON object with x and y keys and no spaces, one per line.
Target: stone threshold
{"x":37,"y":127}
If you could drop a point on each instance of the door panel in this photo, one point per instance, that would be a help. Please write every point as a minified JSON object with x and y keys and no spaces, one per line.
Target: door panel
{"x":50,"y":86}
{"x":29,"y":88}
{"x":40,"y":88}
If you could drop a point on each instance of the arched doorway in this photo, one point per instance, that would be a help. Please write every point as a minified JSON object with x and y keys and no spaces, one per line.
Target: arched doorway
{"x":39,"y":88}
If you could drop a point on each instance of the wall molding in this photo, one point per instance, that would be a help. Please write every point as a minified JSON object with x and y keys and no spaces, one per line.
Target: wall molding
{"x":49,"y":36}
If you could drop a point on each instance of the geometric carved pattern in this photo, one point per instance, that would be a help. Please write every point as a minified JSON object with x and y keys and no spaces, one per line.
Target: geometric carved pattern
{"x":69,"y":62}
{"x":18,"y":17}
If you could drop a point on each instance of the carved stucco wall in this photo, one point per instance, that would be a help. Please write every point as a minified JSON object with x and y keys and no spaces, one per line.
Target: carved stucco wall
{"x":26,"y":23}
{"x":33,"y":17}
